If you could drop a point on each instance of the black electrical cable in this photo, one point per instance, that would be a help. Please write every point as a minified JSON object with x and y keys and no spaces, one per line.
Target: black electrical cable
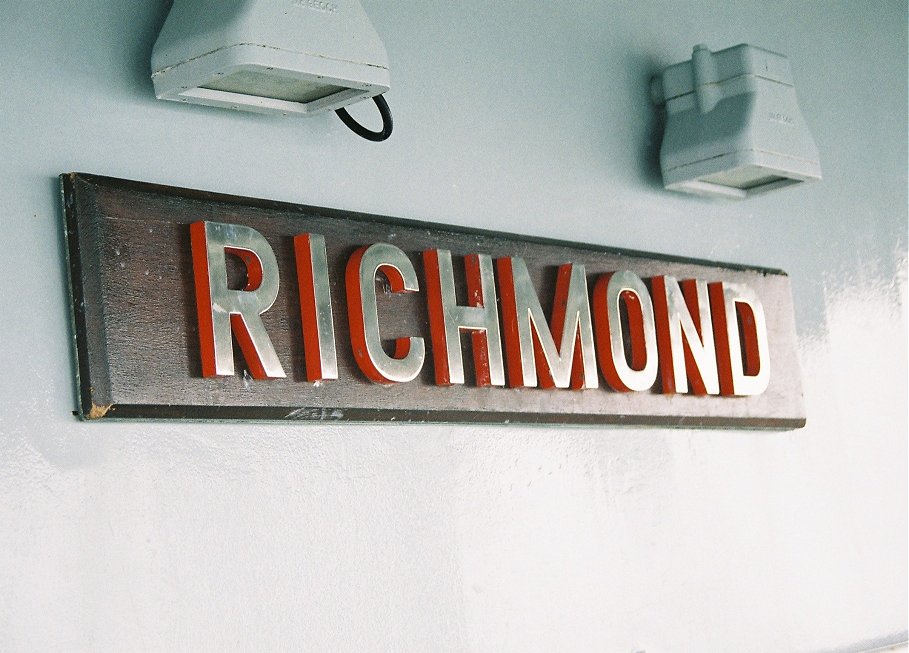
{"x":368,"y":134}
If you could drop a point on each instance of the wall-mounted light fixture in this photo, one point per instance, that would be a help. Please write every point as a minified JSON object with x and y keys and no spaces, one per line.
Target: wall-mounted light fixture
{"x":287,"y":57}
{"x":733,"y":127}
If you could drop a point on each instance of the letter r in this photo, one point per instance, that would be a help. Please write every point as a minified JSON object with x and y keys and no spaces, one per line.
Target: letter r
{"x":223,"y":311}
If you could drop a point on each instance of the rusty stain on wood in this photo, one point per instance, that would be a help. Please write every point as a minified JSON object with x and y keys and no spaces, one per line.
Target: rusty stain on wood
{"x":97,"y":412}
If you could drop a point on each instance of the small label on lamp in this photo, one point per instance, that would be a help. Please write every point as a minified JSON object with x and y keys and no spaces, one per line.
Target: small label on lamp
{"x":781,"y":118}
{"x":318,"y":5}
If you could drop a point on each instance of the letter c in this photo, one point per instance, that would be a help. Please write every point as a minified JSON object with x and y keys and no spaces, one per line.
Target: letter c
{"x":363,"y":314}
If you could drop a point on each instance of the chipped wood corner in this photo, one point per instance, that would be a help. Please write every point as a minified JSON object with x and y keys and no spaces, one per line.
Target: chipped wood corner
{"x":97,"y":412}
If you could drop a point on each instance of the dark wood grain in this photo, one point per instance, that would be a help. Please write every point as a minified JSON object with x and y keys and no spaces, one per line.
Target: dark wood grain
{"x":137,"y":342}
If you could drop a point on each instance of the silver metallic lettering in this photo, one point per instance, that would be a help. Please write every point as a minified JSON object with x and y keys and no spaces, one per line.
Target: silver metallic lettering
{"x":685,"y":336}
{"x":529,"y":343}
{"x":447,"y":319}
{"x":315,"y":307}
{"x":363,"y":314}
{"x":223,"y":311}
{"x":609,"y":294}
{"x":743,"y":357}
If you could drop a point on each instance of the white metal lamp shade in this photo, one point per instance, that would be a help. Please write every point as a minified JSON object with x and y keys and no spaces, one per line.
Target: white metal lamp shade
{"x":269,"y":56}
{"x":733,"y":127}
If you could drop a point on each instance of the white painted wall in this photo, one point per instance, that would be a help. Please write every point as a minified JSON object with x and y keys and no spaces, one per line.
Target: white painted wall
{"x":527,"y":117}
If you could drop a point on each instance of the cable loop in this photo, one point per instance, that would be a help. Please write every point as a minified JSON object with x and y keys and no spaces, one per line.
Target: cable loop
{"x":368,"y":134}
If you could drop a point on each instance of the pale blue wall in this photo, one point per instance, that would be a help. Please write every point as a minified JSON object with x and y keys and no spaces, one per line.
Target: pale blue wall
{"x":526,"y":117}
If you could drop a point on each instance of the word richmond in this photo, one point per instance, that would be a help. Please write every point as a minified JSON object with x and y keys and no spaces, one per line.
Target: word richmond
{"x":693,"y":336}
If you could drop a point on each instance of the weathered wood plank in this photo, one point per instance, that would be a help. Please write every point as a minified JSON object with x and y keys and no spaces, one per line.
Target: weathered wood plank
{"x":137,"y":334}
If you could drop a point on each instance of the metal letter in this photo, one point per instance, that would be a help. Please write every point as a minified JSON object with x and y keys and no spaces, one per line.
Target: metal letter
{"x":447,"y":319}
{"x":529,"y":343}
{"x":685,"y":336}
{"x":222,"y":310}
{"x":738,"y":320}
{"x":363,"y":314}
{"x":315,"y":307}
{"x":610,"y":292}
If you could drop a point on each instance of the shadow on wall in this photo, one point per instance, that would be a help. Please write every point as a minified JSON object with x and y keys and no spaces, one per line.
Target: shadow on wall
{"x":139,"y":61}
{"x":108,"y":44}
{"x":893,"y":643}
{"x":644,"y":67}
{"x":53,"y":189}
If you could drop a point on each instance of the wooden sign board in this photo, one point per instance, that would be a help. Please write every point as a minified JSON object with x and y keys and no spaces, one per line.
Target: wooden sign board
{"x":191,"y":305}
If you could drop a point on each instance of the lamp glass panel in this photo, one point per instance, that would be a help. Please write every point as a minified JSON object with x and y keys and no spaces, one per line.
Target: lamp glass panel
{"x":272,"y":85}
{"x":745,"y":178}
